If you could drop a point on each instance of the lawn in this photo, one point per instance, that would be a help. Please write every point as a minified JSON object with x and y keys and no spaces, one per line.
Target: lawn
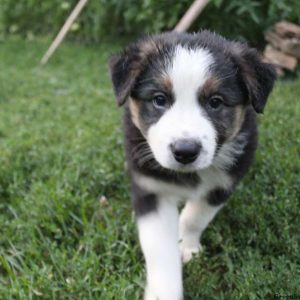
{"x":61,"y":154}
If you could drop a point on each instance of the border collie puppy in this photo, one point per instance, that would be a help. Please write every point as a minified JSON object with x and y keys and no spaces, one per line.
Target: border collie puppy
{"x":190,"y":135}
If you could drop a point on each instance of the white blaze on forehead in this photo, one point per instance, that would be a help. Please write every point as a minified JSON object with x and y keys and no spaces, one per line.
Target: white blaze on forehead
{"x":189,"y":71}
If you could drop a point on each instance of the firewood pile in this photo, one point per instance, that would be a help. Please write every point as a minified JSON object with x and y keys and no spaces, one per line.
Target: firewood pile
{"x":283,"y":48}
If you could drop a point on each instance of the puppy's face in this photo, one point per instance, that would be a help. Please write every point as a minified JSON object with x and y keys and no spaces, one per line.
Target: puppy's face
{"x":187,"y":94}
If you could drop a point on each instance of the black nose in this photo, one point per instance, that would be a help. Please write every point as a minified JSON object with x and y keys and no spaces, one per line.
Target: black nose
{"x":185,"y":151}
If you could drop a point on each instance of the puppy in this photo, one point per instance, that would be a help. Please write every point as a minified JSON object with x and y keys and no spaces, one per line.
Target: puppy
{"x":190,"y":135}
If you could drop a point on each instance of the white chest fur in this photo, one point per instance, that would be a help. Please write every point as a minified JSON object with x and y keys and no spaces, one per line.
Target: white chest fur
{"x":210,"y":179}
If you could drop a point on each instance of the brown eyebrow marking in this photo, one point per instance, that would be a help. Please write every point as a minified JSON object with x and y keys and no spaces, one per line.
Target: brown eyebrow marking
{"x":166,"y":83}
{"x":210,"y":86}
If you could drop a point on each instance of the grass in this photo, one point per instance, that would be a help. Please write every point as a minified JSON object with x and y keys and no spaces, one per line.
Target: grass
{"x":61,"y":151}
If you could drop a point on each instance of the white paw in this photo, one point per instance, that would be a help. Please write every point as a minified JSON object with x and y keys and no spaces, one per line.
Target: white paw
{"x":165,"y":294}
{"x":149,"y":295}
{"x":188,"y":252}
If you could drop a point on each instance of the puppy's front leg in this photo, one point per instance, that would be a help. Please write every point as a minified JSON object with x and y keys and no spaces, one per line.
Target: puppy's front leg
{"x":158,"y":233}
{"x":194,"y":218}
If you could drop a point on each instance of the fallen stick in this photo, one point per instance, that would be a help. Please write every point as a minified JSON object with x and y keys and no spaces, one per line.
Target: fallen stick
{"x":64,"y":30}
{"x":190,"y":16}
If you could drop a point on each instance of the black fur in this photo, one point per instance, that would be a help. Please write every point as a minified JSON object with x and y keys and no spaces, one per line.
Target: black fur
{"x":218,"y":196}
{"x":245,"y":81}
{"x":143,"y":202}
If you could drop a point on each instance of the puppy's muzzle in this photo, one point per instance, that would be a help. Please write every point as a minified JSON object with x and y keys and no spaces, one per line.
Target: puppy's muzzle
{"x":185,"y":151}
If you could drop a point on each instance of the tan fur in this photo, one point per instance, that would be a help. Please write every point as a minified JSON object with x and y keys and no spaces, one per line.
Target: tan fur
{"x":210,"y":86}
{"x":148,"y":47}
{"x":238,"y":122}
{"x":134,"y":111}
{"x":167,"y":83}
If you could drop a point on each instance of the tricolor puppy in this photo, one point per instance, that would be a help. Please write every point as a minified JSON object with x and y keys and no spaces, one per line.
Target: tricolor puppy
{"x":190,"y":134}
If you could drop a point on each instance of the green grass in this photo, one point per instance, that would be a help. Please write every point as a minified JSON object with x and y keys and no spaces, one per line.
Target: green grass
{"x":61,"y":150}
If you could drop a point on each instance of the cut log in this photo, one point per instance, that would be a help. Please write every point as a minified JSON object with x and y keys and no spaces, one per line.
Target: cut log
{"x":279,"y":70}
{"x":290,"y":46}
{"x":280,"y":59}
{"x":287,"y":29}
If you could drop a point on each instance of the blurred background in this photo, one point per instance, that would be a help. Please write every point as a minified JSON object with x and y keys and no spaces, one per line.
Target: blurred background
{"x":244,"y":20}
{"x":66,"y":224}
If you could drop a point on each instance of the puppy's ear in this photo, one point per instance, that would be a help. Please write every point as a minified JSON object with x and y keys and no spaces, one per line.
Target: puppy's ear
{"x":257,"y":76}
{"x":124,"y":69}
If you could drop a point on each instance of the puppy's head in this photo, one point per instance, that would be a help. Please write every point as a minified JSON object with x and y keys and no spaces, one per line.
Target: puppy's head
{"x":187,"y":94}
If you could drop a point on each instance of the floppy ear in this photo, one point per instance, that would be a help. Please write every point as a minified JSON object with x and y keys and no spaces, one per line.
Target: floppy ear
{"x":257,"y":76}
{"x":124,"y":69}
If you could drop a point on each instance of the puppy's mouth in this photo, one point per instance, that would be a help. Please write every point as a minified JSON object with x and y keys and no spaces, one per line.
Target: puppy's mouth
{"x":198,"y":164}
{"x":193,"y":167}
{"x":184,"y":168}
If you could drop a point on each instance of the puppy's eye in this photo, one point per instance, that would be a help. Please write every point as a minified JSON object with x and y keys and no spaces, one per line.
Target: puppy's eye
{"x":159,"y":101}
{"x":215,"y":102}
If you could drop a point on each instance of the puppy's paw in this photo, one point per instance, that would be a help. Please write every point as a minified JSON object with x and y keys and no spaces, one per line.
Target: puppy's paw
{"x":188,"y":252}
{"x":149,"y":295}
{"x":169,"y":292}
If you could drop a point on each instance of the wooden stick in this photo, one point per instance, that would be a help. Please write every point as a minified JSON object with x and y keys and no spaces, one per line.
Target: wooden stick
{"x":190,"y":16}
{"x":64,"y":30}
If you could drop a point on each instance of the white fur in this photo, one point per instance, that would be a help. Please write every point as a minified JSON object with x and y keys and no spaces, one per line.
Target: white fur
{"x":211,"y":178}
{"x":197,"y":213}
{"x":185,"y":119}
{"x":194,"y":218}
{"x":229,"y":152}
{"x":158,"y":233}
{"x":161,"y":239}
